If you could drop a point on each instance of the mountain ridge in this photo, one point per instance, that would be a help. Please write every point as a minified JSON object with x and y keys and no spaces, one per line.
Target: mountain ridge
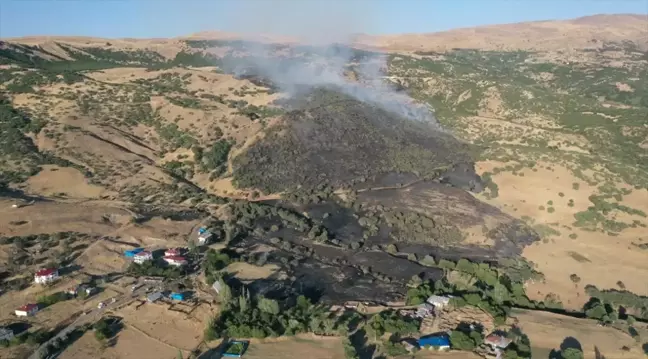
{"x":576,"y":33}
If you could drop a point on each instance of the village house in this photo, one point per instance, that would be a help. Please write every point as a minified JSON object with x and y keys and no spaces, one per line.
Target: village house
{"x":424,"y":310}
{"x":132,"y":252}
{"x":439,"y":301}
{"x":173,"y":252}
{"x":175,"y":260}
{"x":6,"y":334}
{"x":496,"y":343}
{"x":142,"y":257}
{"x":204,"y":236}
{"x":27,"y":310}
{"x":47,"y":275}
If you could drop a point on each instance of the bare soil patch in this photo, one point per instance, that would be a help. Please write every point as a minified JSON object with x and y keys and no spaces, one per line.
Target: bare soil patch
{"x":174,"y":328}
{"x":305,"y":346}
{"x":55,"y":180}
{"x":547,"y":331}
{"x":589,"y":254}
{"x":245,"y":271}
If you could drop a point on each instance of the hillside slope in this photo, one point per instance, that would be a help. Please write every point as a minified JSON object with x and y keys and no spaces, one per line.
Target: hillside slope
{"x":528,"y":185}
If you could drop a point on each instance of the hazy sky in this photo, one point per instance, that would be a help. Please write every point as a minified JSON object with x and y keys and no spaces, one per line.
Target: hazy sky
{"x":168,"y":18}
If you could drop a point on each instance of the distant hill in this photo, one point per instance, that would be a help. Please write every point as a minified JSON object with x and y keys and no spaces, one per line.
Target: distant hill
{"x":584,"y":32}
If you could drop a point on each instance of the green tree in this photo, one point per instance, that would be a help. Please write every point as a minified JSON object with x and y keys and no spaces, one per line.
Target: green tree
{"x":461,"y":341}
{"x":596,"y":312}
{"x":349,"y":350}
{"x":269,"y":306}
{"x":571,"y":353}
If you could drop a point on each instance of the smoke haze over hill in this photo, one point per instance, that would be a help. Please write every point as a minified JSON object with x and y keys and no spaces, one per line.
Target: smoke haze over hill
{"x":327,"y":29}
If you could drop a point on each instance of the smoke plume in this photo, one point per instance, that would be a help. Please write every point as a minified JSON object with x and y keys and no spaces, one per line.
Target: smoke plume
{"x":325,"y":30}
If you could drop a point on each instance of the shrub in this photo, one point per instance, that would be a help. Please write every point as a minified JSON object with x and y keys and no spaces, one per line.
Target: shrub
{"x":461,"y":341}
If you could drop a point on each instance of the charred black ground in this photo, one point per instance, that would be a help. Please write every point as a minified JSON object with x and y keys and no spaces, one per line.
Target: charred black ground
{"x":334,"y":139}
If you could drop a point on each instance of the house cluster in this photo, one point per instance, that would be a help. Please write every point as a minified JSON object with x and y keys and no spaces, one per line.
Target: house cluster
{"x":172,"y":256}
{"x":46,"y":275}
{"x":427,"y":309}
{"x":494,"y":344}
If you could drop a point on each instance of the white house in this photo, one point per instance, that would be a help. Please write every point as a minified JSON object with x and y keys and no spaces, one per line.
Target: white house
{"x":6,"y":334}
{"x":46,"y":275}
{"x":27,"y":310}
{"x":142,"y":257}
{"x":175,"y":260}
{"x":439,"y":301}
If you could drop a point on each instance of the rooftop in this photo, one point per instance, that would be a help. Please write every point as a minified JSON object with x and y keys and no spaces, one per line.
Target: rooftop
{"x":497,"y":340}
{"x":46,"y":271}
{"x":28,"y":307}
{"x":175,"y":258}
{"x":143,"y":254}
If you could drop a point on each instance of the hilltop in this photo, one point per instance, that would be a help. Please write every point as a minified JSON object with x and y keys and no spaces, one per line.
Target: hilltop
{"x":506,"y":165}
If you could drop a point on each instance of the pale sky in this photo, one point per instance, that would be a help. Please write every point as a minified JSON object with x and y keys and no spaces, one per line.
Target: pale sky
{"x":169,"y":18}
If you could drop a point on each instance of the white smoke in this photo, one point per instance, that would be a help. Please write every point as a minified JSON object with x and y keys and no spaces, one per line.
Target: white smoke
{"x":326,"y":28}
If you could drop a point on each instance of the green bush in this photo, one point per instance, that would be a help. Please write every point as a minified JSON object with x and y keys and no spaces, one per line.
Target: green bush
{"x":47,"y":300}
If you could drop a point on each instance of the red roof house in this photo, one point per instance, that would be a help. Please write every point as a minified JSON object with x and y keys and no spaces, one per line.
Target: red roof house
{"x":46,"y":275}
{"x":27,"y":310}
{"x":173,"y":252}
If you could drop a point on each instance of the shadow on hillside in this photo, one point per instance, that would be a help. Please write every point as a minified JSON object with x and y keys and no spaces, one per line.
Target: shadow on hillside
{"x":217,"y":352}
{"x":359,"y":341}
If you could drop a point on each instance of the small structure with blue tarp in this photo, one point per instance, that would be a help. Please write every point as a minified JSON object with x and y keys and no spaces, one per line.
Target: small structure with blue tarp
{"x":235,"y":348}
{"x":177,"y":296}
{"x":437,"y":341}
{"x":204,"y":236}
{"x":132,"y":252}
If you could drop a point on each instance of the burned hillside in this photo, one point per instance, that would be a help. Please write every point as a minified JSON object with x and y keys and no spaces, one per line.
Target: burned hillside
{"x":334,"y":139}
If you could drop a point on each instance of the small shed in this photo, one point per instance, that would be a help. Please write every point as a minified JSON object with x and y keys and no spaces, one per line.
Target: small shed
{"x":132,"y":252}
{"x":436,"y":341}
{"x":154,"y":297}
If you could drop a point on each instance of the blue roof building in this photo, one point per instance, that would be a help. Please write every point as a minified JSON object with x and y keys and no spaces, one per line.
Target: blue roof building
{"x":440,"y":341}
{"x":132,"y":252}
